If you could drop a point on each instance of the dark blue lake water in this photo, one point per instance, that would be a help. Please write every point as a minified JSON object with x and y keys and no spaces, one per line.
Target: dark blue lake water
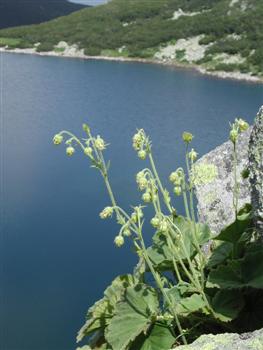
{"x":57,"y":256}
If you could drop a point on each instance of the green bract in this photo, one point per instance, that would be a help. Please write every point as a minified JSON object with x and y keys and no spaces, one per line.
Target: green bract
{"x":177,"y":291}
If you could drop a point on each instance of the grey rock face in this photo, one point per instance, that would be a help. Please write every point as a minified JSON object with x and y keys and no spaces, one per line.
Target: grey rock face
{"x":215,"y":183}
{"x":255,"y":166}
{"x":248,"y":341}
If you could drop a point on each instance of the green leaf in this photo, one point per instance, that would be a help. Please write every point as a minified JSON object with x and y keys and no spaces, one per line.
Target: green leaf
{"x":245,"y":272}
{"x":191,"y":304}
{"x":98,"y":317}
{"x":159,"y":338}
{"x":227,"y":304}
{"x":125,"y":326}
{"x":160,"y":253}
{"x":219,"y":254}
{"x":116,"y":290}
{"x":227,"y":276}
{"x":252,"y":269}
{"x":174,"y":295}
{"x":100,"y":313}
{"x":233,"y":232}
{"x":132,"y":316}
{"x":143,"y":299}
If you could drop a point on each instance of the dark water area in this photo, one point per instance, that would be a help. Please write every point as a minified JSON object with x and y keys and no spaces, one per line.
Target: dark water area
{"x":57,"y":255}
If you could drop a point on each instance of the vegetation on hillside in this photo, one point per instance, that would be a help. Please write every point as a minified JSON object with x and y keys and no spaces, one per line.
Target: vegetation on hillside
{"x":20,"y":12}
{"x":140,"y":28}
{"x":178,"y":290}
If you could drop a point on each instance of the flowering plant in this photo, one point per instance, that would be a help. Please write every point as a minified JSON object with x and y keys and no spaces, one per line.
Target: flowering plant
{"x":194,"y":291}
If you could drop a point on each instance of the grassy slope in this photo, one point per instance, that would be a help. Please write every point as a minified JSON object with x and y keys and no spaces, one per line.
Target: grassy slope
{"x":143,"y":26}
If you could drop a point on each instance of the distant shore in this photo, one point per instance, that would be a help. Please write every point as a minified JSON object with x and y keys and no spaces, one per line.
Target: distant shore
{"x":80,"y":55}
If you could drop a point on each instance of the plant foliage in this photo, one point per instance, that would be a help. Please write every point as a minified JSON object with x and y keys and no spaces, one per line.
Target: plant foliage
{"x":193,"y":292}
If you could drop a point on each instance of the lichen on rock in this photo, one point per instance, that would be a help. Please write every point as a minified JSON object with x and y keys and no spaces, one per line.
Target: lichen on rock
{"x":215,"y":182}
{"x":228,"y":341}
{"x":255,"y":167}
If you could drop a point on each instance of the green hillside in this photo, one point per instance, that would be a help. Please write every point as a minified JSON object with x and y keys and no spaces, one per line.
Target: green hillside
{"x":230,"y":32}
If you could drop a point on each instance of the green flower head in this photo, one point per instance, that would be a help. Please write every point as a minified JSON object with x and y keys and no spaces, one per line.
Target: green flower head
{"x":187,"y":137}
{"x":100,"y":143}
{"x":106,"y":213}
{"x":119,"y":241}
{"x":70,"y":151}
{"x":57,"y":140}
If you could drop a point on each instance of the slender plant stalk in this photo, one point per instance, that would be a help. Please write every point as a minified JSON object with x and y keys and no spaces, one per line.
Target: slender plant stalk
{"x":235,"y":192}
{"x":168,"y":205}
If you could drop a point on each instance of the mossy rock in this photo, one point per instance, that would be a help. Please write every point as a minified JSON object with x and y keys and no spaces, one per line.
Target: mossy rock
{"x":247,"y":341}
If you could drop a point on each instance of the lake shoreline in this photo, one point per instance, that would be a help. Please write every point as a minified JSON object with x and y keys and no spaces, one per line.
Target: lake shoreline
{"x":237,"y":76}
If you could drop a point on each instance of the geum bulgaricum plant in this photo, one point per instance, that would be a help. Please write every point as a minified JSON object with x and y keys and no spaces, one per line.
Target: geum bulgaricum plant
{"x":193,"y":292}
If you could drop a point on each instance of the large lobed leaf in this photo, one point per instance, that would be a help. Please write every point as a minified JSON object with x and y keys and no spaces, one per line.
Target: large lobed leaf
{"x":245,"y":272}
{"x":227,"y":304}
{"x":159,"y":338}
{"x":233,"y":232}
{"x":100,"y":313}
{"x":133,"y":316}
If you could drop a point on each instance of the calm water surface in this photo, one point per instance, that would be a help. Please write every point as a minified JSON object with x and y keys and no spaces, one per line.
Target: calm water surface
{"x":57,"y":256}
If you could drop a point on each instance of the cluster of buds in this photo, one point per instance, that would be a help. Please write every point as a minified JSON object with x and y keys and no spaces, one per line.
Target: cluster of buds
{"x":147,"y":185}
{"x":58,"y":139}
{"x":177,"y":178}
{"x":124,"y":232}
{"x":160,"y":224}
{"x":165,"y":317}
{"x":141,"y":144}
{"x":91,"y":143}
{"x":237,"y":128}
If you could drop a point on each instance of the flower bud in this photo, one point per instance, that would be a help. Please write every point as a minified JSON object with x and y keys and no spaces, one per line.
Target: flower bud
{"x":86,"y":128}
{"x":142,"y":154}
{"x":119,"y":241}
{"x":233,"y":135}
{"x":100,"y":143}
{"x":142,"y":183}
{"x":155,"y":222}
{"x":193,"y":155}
{"x":88,"y":151}
{"x":137,"y":141}
{"x":177,"y":190}
{"x":139,"y":175}
{"x":57,"y":140}
{"x":173,"y":177}
{"x":187,"y":137}
{"x":154,"y":197}
{"x":134,"y":217}
{"x":127,"y":232}
{"x":146,"y":197}
{"x":70,"y":151}
{"x":163,"y":227}
{"x":106,"y":213}
{"x":242,"y":124}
